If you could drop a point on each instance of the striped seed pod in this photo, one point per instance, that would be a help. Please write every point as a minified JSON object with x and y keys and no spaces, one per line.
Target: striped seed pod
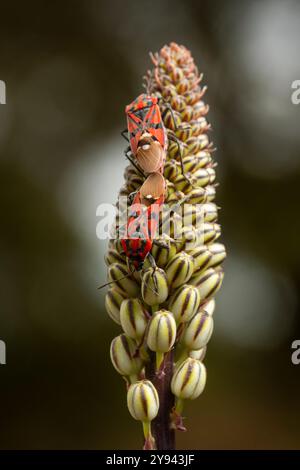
{"x":198,"y":331}
{"x":113,"y":301}
{"x":123,"y":356}
{"x":163,"y":250}
{"x":184,"y":303}
{"x":180,"y":269}
{"x":161,"y":333}
{"x":142,"y":401}
{"x":154,"y":286}
{"x":198,"y":354}
{"x":208,"y":282}
{"x":201,"y":256}
{"x":117,"y":274}
{"x":218,"y":254}
{"x":189,"y":379}
{"x":143,"y":405}
{"x":209,"y":307}
{"x":133,"y":318}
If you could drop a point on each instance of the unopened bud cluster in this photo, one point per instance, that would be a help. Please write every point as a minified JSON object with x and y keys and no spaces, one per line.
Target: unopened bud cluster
{"x":170,"y":307}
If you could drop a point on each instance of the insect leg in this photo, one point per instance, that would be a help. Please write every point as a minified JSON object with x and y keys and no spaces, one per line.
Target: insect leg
{"x":133,"y":163}
{"x":154,"y":267}
{"x":169,"y":108}
{"x":125,"y":131}
{"x":174,"y":139}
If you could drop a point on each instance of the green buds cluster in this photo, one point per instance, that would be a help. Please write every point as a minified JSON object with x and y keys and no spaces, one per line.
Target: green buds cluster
{"x":165,"y":309}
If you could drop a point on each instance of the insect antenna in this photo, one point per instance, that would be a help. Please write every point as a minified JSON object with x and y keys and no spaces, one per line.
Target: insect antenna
{"x":116,"y":280}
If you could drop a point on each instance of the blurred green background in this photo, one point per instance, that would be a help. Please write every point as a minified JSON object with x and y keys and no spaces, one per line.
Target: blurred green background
{"x":70,"y":67}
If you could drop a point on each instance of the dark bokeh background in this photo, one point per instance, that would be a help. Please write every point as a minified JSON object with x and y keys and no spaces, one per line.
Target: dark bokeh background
{"x":70,"y":68}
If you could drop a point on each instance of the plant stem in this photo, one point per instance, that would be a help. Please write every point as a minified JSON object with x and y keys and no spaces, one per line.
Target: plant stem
{"x":164,"y":436}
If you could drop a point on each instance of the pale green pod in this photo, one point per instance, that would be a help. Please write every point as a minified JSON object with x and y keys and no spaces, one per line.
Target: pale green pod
{"x":218,"y":254}
{"x":184,"y":303}
{"x":133,"y":318}
{"x":187,"y":237}
{"x":204,"y":158}
{"x":210,"y":193}
{"x":198,"y":354}
{"x":143,"y":401}
{"x":192,"y":163}
{"x":210,"y":212}
{"x":185,"y":183}
{"x":154,"y":286}
{"x":113,"y":301}
{"x":163,"y":249}
{"x":180,"y":269}
{"x":202,"y":256}
{"x":174,"y":197}
{"x":197,"y":196}
{"x":209,"y":307}
{"x":208,"y":282}
{"x":117,"y":273}
{"x":198,"y":331}
{"x":171,"y":169}
{"x":208,"y":232}
{"x":123,"y":355}
{"x":161,"y":333}
{"x":113,"y":256}
{"x":189,"y":379}
{"x":204,"y":176}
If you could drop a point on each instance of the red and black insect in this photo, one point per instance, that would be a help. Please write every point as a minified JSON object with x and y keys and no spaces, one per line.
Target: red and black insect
{"x":143,"y":116}
{"x":141,"y":230}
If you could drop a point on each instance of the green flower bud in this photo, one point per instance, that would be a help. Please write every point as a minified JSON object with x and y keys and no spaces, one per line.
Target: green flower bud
{"x":133,"y":318}
{"x":174,"y":196}
{"x":210,"y":193}
{"x":113,"y":300}
{"x":204,"y":158}
{"x":218,"y":254}
{"x":171,"y":169}
{"x":163,"y":249}
{"x":192,"y":163}
{"x":202,"y":256}
{"x":196,"y":196}
{"x":195,"y":144}
{"x":210,"y":212}
{"x":198,"y":331}
{"x":128,"y":285}
{"x":123,"y":356}
{"x":189,"y":379}
{"x":180,"y":269}
{"x":209,"y":232}
{"x":184,"y":303}
{"x":113,"y":256}
{"x":143,"y":401}
{"x":161,"y":333}
{"x":209,"y":307}
{"x":185,"y":182}
{"x":184,"y":131}
{"x":154,"y":286}
{"x":205,"y":176}
{"x":198,"y":354}
{"x":208,"y":282}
